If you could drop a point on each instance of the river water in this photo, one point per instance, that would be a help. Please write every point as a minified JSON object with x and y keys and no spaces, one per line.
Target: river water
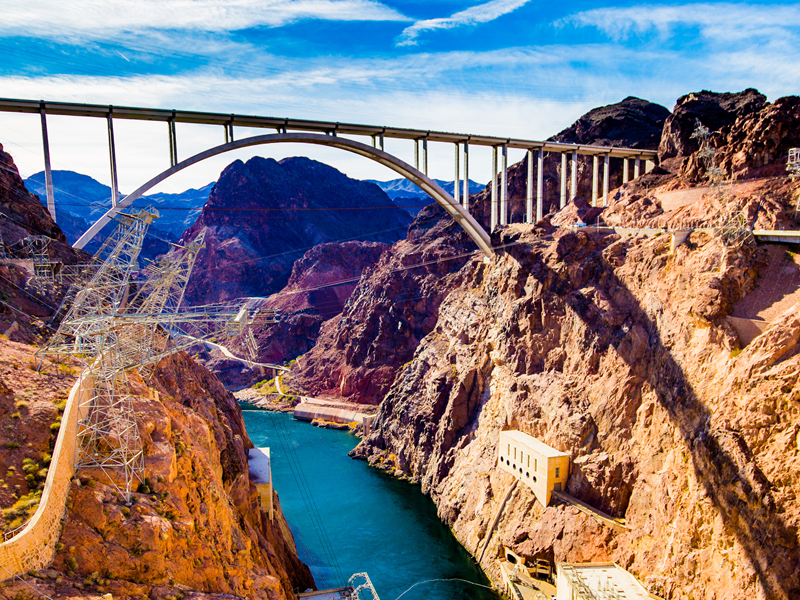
{"x":348,"y":518}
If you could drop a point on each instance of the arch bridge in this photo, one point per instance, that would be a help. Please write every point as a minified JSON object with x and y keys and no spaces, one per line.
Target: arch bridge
{"x":332,"y":134}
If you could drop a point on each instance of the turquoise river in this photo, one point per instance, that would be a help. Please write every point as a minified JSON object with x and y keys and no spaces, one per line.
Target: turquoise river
{"x":348,"y":518}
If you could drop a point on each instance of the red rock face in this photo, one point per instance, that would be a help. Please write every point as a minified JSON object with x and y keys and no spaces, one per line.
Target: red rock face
{"x":617,"y":352}
{"x":264,"y":215}
{"x":319,"y":286}
{"x":715,"y":111}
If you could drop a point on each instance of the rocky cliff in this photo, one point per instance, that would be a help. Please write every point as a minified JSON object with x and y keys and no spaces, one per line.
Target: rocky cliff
{"x":613,"y":349}
{"x":318,"y":288}
{"x":618,"y":353}
{"x":192,"y":528}
{"x":263,"y":215}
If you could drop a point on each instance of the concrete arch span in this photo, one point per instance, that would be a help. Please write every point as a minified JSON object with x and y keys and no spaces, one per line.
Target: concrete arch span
{"x":434,"y":190}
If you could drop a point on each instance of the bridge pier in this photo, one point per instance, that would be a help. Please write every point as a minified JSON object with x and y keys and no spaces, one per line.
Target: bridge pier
{"x":529,"y":189}
{"x":465,"y":156}
{"x":504,"y":188}
{"x":595,"y":168}
{"x":48,"y":174}
{"x":457,"y":181}
{"x":563,"y":200}
{"x":229,"y":131}
{"x":636,"y":166}
{"x":573,"y":186}
{"x":540,"y":185}
{"x":493,"y":205}
{"x":173,"y":143}
{"x":606,"y":169}
{"x":625,"y":170}
{"x":112,"y":156}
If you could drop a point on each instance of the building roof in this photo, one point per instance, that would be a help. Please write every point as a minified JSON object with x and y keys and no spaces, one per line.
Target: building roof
{"x":258,"y":459}
{"x":531,"y":442}
{"x":599,"y":576}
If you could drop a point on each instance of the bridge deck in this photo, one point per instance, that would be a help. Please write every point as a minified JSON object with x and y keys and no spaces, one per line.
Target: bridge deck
{"x":277,"y":123}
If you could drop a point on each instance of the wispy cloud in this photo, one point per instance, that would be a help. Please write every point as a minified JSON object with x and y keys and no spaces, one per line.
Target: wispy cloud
{"x":719,"y":21}
{"x":482,"y":13}
{"x":50,"y":18}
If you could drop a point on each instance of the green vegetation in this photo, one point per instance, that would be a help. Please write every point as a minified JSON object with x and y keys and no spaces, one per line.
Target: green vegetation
{"x":735,"y":353}
{"x":22,"y":510}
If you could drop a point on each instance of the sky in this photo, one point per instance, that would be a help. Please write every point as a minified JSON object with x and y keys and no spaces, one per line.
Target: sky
{"x":521,"y":68}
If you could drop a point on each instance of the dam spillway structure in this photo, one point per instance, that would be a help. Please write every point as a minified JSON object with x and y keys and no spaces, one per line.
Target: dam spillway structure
{"x":539,"y":466}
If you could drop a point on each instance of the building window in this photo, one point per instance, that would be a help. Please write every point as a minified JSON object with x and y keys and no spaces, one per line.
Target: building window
{"x":515,"y":454}
{"x":509,"y":450}
{"x":535,"y":465}
{"x":558,"y":472}
{"x":529,"y":461}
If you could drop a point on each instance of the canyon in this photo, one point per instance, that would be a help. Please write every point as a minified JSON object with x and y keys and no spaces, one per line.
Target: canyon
{"x":617,"y":349}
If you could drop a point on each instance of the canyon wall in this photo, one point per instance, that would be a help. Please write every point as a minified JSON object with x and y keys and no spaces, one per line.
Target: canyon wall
{"x":193,"y":526}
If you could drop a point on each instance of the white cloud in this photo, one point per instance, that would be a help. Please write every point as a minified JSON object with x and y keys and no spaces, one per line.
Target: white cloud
{"x":101,"y":18}
{"x":720,"y":21}
{"x":482,"y":13}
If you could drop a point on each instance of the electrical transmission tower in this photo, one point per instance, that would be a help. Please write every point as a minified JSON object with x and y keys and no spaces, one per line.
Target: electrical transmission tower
{"x":112,"y":330}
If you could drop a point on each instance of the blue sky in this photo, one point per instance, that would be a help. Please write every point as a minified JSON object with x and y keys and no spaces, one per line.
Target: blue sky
{"x":502,"y":67}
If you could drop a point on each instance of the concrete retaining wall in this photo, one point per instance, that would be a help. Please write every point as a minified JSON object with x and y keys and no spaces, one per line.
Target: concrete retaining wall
{"x":308,"y":412}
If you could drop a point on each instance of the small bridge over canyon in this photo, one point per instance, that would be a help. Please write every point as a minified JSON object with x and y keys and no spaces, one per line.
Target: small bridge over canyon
{"x":340,"y":135}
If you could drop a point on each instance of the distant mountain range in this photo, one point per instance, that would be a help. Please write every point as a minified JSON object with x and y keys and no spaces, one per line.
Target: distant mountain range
{"x":411,"y":198}
{"x":81,"y":200}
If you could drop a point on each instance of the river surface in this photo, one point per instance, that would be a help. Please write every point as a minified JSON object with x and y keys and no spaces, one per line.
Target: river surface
{"x":348,"y":518}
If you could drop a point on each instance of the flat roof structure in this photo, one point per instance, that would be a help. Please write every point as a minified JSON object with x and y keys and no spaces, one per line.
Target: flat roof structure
{"x":533,"y":443}
{"x":598,"y":581}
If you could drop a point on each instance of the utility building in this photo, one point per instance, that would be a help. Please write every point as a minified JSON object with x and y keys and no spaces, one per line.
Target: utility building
{"x":537,"y":465}
{"x":261,"y":474}
{"x":598,"y":581}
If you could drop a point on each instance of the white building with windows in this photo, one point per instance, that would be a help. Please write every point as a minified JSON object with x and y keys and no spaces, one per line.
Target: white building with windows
{"x":537,"y":465}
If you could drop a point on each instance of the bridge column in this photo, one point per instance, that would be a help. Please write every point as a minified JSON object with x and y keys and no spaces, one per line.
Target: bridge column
{"x":529,"y":190}
{"x":625,"y":170}
{"x":649,"y":165}
{"x":48,"y":174}
{"x":540,"y":185}
{"x":416,"y":154}
{"x":636,"y":166}
{"x":504,"y":188}
{"x":457,"y":181}
{"x":112,"y":155}
{"x":229,"y":131}
{"x":465,"y":157}
{"x":606,"y":169}
{"x":563,"y":201}
{"x":574,"y":176}
{"x":425,"y":156}
{"x":595,"y":167}
{"x":173,"y":143}
{"x":493,"y":205}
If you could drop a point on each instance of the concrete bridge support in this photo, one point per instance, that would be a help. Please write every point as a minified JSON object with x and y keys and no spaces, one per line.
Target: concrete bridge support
{"x":563,"y":201}
{"x":624,"y":171}
{"x":529,"y":188}
{"x":494,"y":209}
{"x":636,"y":167}
{"x":457,"y":180}
{"x":48,"y":174}
{"x":540,"y":185}
{"x":465,"y":155}
{"x":173,"y":143}
{"x":573,"y":185}
{"x":112,"y":156}
{"x":504,"y":188}
{"x":595,"y":168}
{"x":606,"y":169}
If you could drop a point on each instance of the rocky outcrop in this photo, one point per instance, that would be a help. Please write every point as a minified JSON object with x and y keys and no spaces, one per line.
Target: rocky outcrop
{"x":318,"y":288}
{"x":714,"y":110}
{"x":757,"y":143}
{"x":24,"y":309}
{"x":617,"y":352}
{"x":263,"y":215}
{"x":193,"y":527}
{"x":393,"y":306}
